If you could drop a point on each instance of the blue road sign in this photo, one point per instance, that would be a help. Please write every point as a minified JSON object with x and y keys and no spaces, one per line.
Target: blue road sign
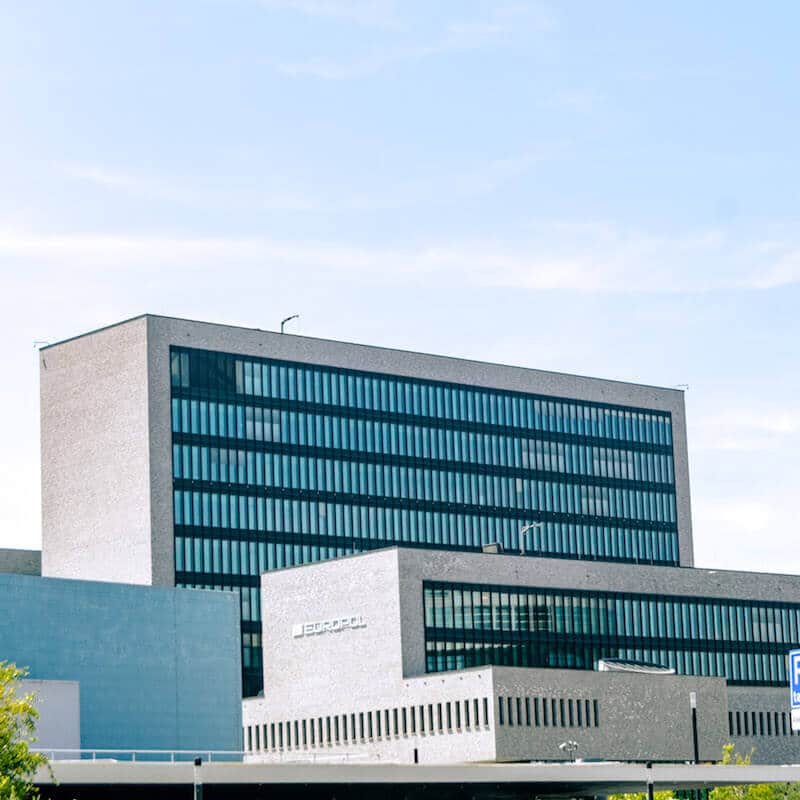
{"x":794,"y":677}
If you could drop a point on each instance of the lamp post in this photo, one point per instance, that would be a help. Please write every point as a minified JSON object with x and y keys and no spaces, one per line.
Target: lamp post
{"x":288,"y":319}
{"x":524,"y":530}
{"x":693,"y":704}
{"x":198,"y":781}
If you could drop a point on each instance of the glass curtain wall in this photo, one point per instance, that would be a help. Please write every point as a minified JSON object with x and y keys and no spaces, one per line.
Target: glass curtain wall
{"x":278,"y":463}
{"x":468,"y":625}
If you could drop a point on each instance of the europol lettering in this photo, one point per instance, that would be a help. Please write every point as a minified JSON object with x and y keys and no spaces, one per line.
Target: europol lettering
{"x":336,"y":625}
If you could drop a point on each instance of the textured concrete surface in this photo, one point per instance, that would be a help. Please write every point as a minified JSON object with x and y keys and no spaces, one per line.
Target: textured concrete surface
{"x":382,"y":664}
{"x":641,"y":717}
{"x":59,"y":723}
{"x":20,"y":562}
{"x":419,"y":565}
{"x":773,"y":746}
{"x":106,"y":441}
{"x":353,"y":670}
{"x":473,"y":742}
{"x":95,"y":459}
{"x":158,"y":668}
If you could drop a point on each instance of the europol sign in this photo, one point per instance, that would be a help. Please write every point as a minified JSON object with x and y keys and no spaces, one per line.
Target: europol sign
{"x":335,"y":625}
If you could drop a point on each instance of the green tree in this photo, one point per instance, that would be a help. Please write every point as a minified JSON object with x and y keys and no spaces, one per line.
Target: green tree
{"x":18,"y":717}
{"x":758,"y":791}
{"x":666,"y":795}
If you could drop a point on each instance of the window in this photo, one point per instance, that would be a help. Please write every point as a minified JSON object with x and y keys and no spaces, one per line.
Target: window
{"x":544,"y":627}
{"x":366,"y":457}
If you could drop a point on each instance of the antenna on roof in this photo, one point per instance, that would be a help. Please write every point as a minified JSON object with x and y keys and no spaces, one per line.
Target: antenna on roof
{"x":284,"y":321}
{"x":39,"y":343}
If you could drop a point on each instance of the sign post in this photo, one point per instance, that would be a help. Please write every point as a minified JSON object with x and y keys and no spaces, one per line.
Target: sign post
{"x":794,"y":687}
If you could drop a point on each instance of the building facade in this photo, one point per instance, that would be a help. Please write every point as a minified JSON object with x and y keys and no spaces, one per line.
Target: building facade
{"x":126,"y":667}
{"x":181,"y":453}
{"x":414,"y":655}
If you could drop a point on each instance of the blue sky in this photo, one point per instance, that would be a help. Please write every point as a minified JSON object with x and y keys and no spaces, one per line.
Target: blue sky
{"x":608,"y":189}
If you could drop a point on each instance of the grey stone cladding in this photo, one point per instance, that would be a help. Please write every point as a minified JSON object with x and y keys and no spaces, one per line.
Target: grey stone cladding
{"x":106,"y":439}
{"x":340,"y":679}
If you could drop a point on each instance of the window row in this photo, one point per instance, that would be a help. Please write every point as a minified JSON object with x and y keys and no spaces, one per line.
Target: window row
{"x":273,"y":470}
{"x":362,"y":726}
{"x":226,"y":374}
{"x":371,"y":523}
{"x":257,"y":424}
{"x":200,"y":555}
{"x":745,"y":665}
{"x":454,"y":606}
{"x":543,"y":712}
{"x":760,"y":723}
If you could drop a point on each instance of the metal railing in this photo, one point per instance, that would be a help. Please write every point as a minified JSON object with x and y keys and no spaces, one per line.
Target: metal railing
{"x":135,"y":754}
{"x":306,"y":757}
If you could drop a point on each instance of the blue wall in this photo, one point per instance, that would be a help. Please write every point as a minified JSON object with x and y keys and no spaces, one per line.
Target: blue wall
{"x":158,"y":668}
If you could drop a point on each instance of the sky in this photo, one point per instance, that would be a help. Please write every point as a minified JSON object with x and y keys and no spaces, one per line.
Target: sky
{"x":610,"y":189}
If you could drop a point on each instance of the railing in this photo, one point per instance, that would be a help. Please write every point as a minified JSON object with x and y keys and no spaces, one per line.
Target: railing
{"x":306,"y":757}
{"x":170,"y":756}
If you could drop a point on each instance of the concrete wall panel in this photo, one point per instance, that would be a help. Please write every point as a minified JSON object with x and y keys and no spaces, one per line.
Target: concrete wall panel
{"x":59,"y":723}
{"x":158,"y":668}
{"x":95,"y":460}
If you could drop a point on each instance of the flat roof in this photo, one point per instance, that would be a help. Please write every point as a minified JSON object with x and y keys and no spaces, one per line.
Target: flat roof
{"x":355,"y":344}
{"x":584,"y":563}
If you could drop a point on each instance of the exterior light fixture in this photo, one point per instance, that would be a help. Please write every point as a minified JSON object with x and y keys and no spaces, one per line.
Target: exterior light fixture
{"x":693,"y":704}
{"x":569,"y":747}
{"x":288,"y":319}
{"x":523,"y":531}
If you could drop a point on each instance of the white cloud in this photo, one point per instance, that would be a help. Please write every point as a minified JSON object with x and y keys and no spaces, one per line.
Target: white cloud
{"x":785,"y":270}
{"x":434,"y":188}
{"x":502,"y":24}
{"x":744,"y":430}
{"x":191,"y":193}
{"x":105,"y":177}
{"x":369,"y":13}
{"x":597,"y":258}
{"x":730,"y":533}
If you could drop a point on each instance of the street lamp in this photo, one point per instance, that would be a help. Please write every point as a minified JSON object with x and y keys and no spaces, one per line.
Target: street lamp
{"x":523,"y":530}
{"x":569,"y":747}
{"x":197,"y":780}
{"x":288,"y":319}
{"x":693,"y":704}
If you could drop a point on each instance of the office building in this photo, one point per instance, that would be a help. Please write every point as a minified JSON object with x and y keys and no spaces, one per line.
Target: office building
{"x":180,"y":453}
{"x":410,"y":655}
